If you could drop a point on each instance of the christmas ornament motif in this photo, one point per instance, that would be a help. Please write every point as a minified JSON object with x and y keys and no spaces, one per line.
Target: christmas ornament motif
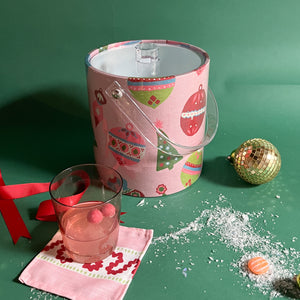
{"x":97,"y":112}
{"x":164,"y":160}
{"x":113,"y":183}
{"x":131,"y":192}
{"x":298,"y":280}
{"x":126,"y":145}
{"x":192,"y":168}
{"x":97,"y":106}
{"x":100,"y":97}
{"x":193,"y":112}
{"x":258,"y":265}
{"x":257,"y":161}
{"x":151,"y":91}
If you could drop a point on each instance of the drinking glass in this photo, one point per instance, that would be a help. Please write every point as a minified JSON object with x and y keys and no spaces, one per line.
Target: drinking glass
{"x":87,"y":204}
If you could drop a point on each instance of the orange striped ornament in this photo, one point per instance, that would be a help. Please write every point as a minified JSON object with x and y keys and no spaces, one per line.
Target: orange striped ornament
{"x":258,"y":265}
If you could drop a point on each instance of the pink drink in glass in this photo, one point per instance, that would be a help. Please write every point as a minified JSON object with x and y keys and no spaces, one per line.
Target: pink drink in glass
{"x":88,"y":239}
{"x":87,"y":203}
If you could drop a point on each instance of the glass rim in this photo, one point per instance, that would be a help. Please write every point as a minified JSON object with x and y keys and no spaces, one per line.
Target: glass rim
{"x":76,"y":167}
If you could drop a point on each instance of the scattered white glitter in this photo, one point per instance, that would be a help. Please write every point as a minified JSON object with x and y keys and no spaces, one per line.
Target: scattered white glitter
{"x":160,"y":203}
{"x":242,"y":233}
{"x":141,"y":203}
{"x":184,"y":272}
{"x":41,"y":295}
{"x":180,"y":235}
{"x":238,"y":234}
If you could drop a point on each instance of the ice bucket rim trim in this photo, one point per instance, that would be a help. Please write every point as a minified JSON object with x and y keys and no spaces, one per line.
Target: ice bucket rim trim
{"x":191,"y":47}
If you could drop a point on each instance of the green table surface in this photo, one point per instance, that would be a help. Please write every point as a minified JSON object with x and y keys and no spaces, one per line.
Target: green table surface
{"x":255,"y":76}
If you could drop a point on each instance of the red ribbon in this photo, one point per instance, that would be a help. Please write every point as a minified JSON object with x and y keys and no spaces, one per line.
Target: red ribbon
{"x":9,"y":210}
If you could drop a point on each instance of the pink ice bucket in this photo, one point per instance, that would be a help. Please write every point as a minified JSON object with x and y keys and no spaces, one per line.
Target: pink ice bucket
{"x":152,"y":113}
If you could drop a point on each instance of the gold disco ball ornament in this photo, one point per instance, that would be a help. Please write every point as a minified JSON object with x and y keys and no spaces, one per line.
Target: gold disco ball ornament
{"x":257,"y":161}
{"x":298,"y":280}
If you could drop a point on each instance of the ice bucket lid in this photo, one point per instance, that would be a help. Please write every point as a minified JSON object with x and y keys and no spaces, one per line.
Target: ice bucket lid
{"x":148,"y":58}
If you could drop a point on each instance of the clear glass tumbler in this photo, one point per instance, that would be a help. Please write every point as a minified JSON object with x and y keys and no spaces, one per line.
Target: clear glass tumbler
{"x":87,"y":203}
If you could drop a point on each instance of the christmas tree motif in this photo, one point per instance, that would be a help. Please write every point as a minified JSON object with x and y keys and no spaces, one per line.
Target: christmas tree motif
{"x":165,"y":160}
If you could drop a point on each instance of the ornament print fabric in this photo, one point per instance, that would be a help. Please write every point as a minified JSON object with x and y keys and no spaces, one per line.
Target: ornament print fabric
{"x":127,"y":146}
{"x":165,"y":160}
{"x":192,"y":168}
{"x":193,"y":112}
{"x":52,"y":271}
{"x":151,"y":91}
{"x":175,"y":100}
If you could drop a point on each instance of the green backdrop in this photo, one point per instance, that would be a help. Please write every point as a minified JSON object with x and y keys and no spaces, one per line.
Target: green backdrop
{"x":254,"y":74}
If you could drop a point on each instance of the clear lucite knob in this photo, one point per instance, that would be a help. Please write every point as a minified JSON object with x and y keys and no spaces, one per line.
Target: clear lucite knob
{"x":147,"y":59}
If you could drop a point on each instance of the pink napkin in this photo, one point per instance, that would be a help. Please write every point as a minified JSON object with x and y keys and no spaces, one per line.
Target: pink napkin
{"x":53,"y":272}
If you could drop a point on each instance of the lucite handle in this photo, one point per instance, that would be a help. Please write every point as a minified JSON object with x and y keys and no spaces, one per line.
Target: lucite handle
{"x":132,"y":112}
